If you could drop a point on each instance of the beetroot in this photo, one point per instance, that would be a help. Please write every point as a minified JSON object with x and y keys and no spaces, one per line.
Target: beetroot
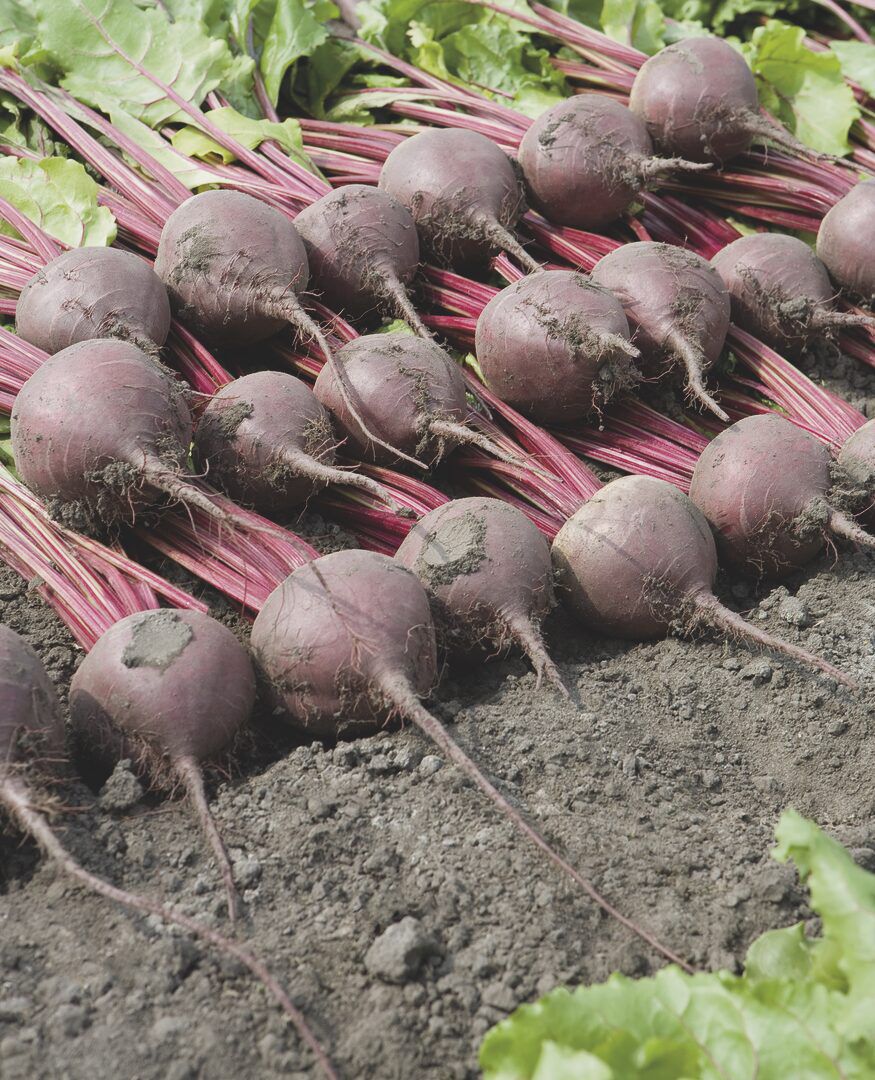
{"x":780,"y":291}
{"x":363,"y":250}
{"x":639,"y":559}
{"x":855,"y":471}
{"x":100,"y":430}
{"x":266,"y":441}
{"x":677,"y":306}
{"x":347,"y":642}
{"x":586,"y":159}
{"x":487,"y":571}
{"x":699,"y":100}
{"x":31,"y":733}
{"x":555,"y":346}
{"x":846,"y":239}
{"x":170,"y":689}
{"x":234,"y":268}
{"x":463,"y":192}
{"x":94,"y":292}
{"x":412,"y":394}
{"x":764,"y":485}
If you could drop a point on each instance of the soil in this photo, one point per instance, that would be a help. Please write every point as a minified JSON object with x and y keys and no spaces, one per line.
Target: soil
{"x":661,"y":780}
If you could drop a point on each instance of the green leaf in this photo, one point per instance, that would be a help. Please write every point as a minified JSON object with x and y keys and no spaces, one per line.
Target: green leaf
{"x":100,"y":47}
{"x":295,"y":31}
{"x":857,"y":60}
{"x":60,"y":196}
{"x":318,"y":77}
{"x":186,"y":171}
{"x":805,"y":90}
{"x":639,"y":23}
{"x":803,"y":1007}
{"x":193,"y":142}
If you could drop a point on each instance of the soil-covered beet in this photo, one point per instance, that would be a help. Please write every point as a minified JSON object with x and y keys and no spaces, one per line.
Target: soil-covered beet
{"x":845,"y":241}
{"x":89,"y":293}
{"x":404,"y":917}
{"x":555,"y":346}
{"x":586,"y":159}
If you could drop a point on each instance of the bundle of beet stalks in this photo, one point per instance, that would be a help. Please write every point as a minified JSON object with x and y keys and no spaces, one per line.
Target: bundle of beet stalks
{"x":245,"y":322}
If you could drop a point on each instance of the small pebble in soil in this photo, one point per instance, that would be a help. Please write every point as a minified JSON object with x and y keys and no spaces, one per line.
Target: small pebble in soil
{"x":398,"y":954}
{"x":122,"y":790}
{"x":795,"y":612}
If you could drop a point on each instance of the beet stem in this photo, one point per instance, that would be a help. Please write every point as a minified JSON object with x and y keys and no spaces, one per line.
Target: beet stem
{"x":308,"y":466}
{"x":693,"y":360}
{"x":15,"y":796}
{"x":528,"y":637}
{"x":460,"y":433}
{"x":653,"y":167}
{"x":845,"y":526}
{"x":398,"y":691}
{"x":192,"y":776}
{"x":290,"y":308}
{"x":722,"y":618}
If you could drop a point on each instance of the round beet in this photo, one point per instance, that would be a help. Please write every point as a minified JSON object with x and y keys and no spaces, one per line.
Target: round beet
{"x":412,"y":394}
{"x":677,"y":306}
{"x":856,"y":470}
{"x":363,"y":250}
{"x":846,"y":240}
{"x":780,"y":290}
{"x":266,"y":441}
{"x":30,"y":716}
{"x":555,"y":346}
{"x":94,"y":292}
{"x":764,"y":485}
{"x":586,"y":159}
{"x":639,"y":560}
{"x":167,"y":688}
{"x":347,"y":642}
{"x":488,"y":574}
{"x":463,"y":192}
{"x":101,"y":430}
{"x":699,"y":100}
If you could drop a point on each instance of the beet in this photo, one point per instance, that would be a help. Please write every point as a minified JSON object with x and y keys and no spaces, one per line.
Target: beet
{"x":639,"y":559}
{"x":412,"y":394}
{"x":345,"y":644}
{"x":846,"y":239}
{"x":463,"y":192}
{"x":764,"y":485}
{"x":363,"y":250}
{"x":780,"y":291}
{"x":487,"y":571}
{"x":171,"y":690}
{"x":100,"y":430}
{"x":586,"y":159}
{"x":855,"y":471}
{"x":266,"y":441}
{"x":31,"y":734}
{"x":94,"y":292}
{"x":555,"y":346}
{"x":699,"y":100}
{"x":234,"y":268}
{"x":677,"y":306}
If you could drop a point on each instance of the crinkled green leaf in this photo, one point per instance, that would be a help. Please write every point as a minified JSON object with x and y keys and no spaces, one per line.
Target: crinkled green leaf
{"x":185,"y":170}
{"x":639,"y":23}
{"x":296,"y":30}
{"x":60,"y":196}
{"x":250,"y":133}
{"x":857,"y":59}
{"x":83,"y":38}
{"x":803,"y":1008}
{"x":319,"y":76}
{"x":804,"y":89}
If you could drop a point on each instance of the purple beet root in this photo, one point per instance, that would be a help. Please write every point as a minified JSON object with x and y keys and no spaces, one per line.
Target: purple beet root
{"x":586,"y":160}
{"x":363,"y":250}
{"x":101,"y":431}
{"x":639,"y":560}
{"x":94,"y":292}
{"x":677,"y":306}
{"x":463,"y":192}
{"x":167,"y":688}
{"x":765,"y":487}
{"x":267,"y":442}
{"x":411,"y":392}
{"x":846,"y":240}
{"x":487,"y":571}
{"x":699,"y":100}
{"x":780,"y":290}
{"x":555,"y":346}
